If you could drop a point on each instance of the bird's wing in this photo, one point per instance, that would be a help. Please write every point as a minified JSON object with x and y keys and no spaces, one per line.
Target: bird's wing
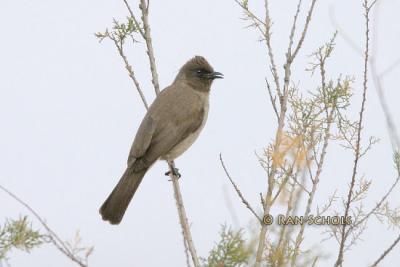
{"x":166,"y":125}
{"x":143,"y":138}
{"x":172,"y":133}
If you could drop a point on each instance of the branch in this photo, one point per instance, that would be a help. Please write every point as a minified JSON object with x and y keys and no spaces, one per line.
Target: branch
{"x":273,"y":99}
{"x":378,"y":205}
{"x":268,"y":24}
{"x":293,"y":30}
{"x":386,"y":252}
{"x":134,"y":19}
{"x":343,"y":238}
{"x":303,"y":34}
{"x":299,"y":237}
{"x":182,"y":215}
{"x":284,"y":235}
{"x":376,"y":78}
{"x":394,"y":136}
{"x":144,"y":7}
{"x":283,"y":97}
{"x":249,"y":15}
{"x":54,"y":238}
{"x":129,"y":68}
{"x":147,"y":37}
{"x":266,"y":34}
{"x":327,"y":134}
{"x":245,"y":202}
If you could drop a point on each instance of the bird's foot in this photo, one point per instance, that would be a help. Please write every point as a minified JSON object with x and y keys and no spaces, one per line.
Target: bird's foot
{"x":174,"y":172}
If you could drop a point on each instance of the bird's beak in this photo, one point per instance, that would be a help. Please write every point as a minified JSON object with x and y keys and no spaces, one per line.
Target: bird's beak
{"x":213,"y":75}
{"x":216,"y":75}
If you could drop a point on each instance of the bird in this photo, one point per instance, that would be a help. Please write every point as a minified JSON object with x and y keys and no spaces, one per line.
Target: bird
{"x":171,"y":125}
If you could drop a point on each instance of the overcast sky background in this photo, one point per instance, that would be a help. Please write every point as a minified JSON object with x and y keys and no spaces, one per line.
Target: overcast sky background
{"x":69,"y":112}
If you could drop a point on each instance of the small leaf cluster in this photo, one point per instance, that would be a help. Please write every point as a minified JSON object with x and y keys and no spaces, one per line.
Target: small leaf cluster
{"x":230,"y":251}
{"x":20,"y":235}
{"x":120,"y":31}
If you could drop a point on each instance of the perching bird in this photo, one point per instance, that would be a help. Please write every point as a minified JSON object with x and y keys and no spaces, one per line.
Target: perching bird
{"x":171,"y":125}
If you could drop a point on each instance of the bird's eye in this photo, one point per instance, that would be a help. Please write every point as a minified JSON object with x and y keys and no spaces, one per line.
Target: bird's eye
{"x":199,"y":71}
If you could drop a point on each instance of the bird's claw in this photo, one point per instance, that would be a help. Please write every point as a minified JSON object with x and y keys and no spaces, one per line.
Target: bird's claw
{"x":174,"y":171}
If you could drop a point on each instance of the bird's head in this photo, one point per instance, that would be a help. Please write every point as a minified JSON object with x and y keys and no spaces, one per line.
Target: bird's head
{"x":198,"y":73}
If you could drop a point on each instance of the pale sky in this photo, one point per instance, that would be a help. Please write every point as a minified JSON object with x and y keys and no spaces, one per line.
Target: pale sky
{"x":69,"y":112}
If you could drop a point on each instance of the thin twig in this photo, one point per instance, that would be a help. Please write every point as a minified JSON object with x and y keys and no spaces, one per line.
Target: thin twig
{"x":55,"y":239}
{"x":315,"y":261}
{"x":339,"y":260}
{"x":245,"y":202}
{"x":390,"y":68}
{"x":268,"y":24}
{"x":342,"y":32}
{"x":250,"y":15}
{"x":129,"y":68}
{"x":288,"y":173}
{"x":378,"y":205}
{"x":134,"y":19}
{"x":303,"y":34}
{"x":273,"y":99}
{"x":394,"y":136}
{"x":376,"y":78}
{"x":293,"y":30}
{"x":150,"y":52}
{"x":386,"y":252}
{"x":302,"y":186}
{"x":284,"y":235}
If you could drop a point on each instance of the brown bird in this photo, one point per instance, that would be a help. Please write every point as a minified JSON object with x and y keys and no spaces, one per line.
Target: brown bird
{"x":171,"y":125}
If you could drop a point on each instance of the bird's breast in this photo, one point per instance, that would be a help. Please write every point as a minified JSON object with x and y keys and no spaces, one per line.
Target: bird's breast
{"x":182,"y":146}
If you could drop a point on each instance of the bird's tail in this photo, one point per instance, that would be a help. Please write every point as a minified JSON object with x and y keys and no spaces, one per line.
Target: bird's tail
{"x":113,"y":209}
